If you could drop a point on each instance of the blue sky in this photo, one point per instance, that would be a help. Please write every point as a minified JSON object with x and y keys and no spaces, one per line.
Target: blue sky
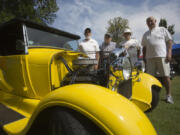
{"x":75,"y":15}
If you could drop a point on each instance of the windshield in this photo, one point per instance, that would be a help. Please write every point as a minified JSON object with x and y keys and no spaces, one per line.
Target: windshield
{"x":42,"y":38}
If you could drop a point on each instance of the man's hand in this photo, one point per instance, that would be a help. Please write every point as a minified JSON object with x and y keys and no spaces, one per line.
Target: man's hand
{"x":97,"y":58}
{"x":95,"y":67}
{"x":169,"y":51}
{"x":168,"y":58}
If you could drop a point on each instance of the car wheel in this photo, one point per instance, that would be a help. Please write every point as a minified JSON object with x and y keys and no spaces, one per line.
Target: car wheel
{"x":155,"y":97}
{"x":68,"y":122}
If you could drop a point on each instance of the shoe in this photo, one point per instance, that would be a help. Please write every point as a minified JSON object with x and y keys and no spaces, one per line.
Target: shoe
{"x":169,"y":99}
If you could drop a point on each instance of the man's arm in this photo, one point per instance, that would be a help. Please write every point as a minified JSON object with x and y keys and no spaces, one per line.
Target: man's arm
{"x":169,"y":43}
{"x":169,"y":50}
{"x":97,"y":58}
{"x":97,"y":49}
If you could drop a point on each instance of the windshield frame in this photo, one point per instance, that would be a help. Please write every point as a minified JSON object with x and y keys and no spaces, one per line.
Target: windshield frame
{"x":67,"y":39}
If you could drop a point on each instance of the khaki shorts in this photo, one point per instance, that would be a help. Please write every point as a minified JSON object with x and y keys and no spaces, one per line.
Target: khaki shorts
{"x":158,"y":67}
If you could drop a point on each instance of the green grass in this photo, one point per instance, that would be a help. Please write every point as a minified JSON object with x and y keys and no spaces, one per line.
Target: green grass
{"x":166,"y":117}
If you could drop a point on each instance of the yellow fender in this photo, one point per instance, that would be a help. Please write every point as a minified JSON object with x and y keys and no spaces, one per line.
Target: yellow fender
{"x":112,"y":112}
{"x":141,"y":90}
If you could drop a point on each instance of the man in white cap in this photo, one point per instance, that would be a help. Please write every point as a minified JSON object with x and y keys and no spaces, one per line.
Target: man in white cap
{"x":157,"y":53}
{"x":131,"y":42}
{"x":90,"y":46}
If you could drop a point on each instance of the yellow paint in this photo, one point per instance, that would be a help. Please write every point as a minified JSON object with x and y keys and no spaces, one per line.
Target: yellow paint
{"x":29,"y":84}
{"x":141,"y":87}
{"x":109,"y":110}
{"x":141,"y":90}
{"x":16,"y":127}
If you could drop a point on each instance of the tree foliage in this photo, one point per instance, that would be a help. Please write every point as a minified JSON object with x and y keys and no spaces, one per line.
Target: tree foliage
{"x":41,"y":11}
{"x":116,"y":27}
{"x":163,"y":23}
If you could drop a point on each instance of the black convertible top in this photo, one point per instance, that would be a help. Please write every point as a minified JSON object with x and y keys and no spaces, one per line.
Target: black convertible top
{"x":18,"y":21}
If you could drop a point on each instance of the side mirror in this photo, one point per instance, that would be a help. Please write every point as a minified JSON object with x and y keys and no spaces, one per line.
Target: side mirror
{"x":20,"y":46}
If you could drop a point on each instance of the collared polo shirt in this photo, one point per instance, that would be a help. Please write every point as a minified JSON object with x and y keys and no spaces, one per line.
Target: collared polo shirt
{"x":155,"y":42}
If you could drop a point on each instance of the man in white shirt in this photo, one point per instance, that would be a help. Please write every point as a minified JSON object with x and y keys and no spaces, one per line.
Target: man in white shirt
{"x":157,"y":53}
{"x":131,"y":42}
{"x":90,"y":46}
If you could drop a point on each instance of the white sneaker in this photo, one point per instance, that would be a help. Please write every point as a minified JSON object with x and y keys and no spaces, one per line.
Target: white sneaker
{"x":169,"y":99}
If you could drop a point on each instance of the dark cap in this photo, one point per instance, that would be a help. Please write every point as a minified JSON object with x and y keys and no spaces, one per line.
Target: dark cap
{"x":87,"y":30}
{"x":108,"y":35}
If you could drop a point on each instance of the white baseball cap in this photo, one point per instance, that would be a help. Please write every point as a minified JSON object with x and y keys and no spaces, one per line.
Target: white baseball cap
{"x":127,"y":30}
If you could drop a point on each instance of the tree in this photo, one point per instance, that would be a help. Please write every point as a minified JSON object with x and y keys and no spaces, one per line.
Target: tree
{"x":41,"y":11}
{"x":116,"y":27}
{"x":163,"y":23}
{"x":171,"y":29}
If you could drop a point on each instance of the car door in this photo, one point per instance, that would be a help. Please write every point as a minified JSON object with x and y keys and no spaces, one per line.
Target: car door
{"x":13,"y":51}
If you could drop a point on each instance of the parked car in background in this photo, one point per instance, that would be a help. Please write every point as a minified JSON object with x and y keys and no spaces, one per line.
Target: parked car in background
{"x":34,"y":60}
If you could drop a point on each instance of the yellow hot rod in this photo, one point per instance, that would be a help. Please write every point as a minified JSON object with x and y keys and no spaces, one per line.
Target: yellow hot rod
{"x":34,"y":61}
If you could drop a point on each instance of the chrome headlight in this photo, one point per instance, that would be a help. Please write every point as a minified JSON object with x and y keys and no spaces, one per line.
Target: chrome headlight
{"x":116,"y":53}
{"x":126,"y":68}
{"x":121,"y":68}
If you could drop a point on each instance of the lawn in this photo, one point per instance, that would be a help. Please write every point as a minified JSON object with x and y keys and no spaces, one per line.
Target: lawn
{"x":166,"y":117}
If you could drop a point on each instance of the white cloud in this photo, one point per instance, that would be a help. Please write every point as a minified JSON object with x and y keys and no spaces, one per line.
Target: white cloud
{"x":77,"y":15}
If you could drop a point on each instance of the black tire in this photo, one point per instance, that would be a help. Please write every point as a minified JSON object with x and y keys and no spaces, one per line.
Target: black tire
{"x":155,"y":97}
{"x":2,"y":131}
{"x":68,"y":122}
